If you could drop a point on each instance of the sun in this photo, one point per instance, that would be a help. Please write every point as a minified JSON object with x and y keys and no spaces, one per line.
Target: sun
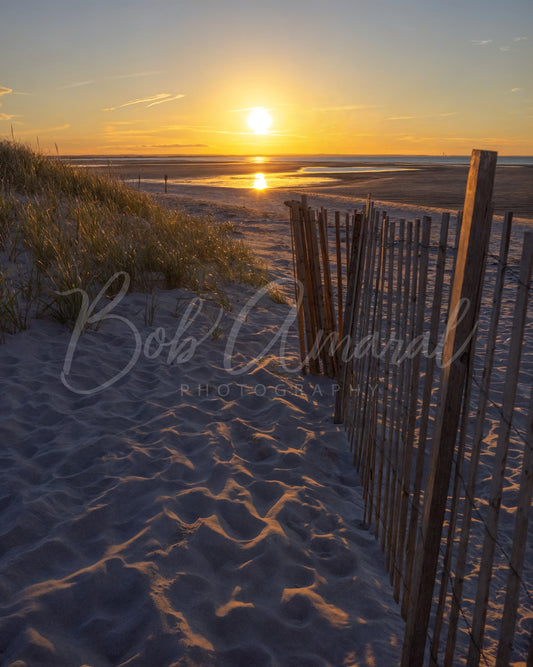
{"x":259,"y":120}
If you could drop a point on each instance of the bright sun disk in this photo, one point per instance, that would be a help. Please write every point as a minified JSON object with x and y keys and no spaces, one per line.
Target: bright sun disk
{"x":260,"y":120}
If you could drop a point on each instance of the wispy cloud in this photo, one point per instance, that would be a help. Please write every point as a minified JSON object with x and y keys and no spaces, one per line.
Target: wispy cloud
{"x":7,"y":116}
{"x":245,"y":109}
{"x":78,"y":84}
{"x":112,"y":132}
{"x":162,"y":101}
{"x":89,"y":82}
{"x":5,"y":91}
{"x":114,"y":123}
{"x":134,"y":75}
{"x":504,"y":49}
{"x":516,"y":90}
{"x":270,"y":133}
{"x":236,"y":132}
{"x":160,"y":98}
{"x":445,"y":114}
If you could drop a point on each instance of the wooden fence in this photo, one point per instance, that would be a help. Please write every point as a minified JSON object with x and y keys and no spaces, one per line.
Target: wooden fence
{"x":409,"y":322}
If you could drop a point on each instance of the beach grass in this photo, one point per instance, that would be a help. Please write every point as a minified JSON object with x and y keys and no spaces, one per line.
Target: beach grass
{"x":63,"y":228}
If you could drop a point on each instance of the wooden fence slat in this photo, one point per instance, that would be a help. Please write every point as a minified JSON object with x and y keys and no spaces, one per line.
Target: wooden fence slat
{"x":364,"y":363}
{"x":330,"y":326}
{"x":298,"y":285}
{"x":357,"y":269}
{"x":473,"y":244}
{"x":359,"y":334}
{"x":318,"y":296}
{"x":379,"y":442}
{"x":475,"y":447}
{"x":347,"y":240}
{"x":304,"y":277}
{"x":309,"y":272}
{"x":395,"y":455}
{"x":457,"y":237}
{"x":518,"y":550}
{"x":385,"y":440}
{"x":350,"y":313}
{"x":416,"y":332}
{"x":339,"y":271}
{"x":500,"y":455}
{"x":426,"y":401}
{"x":371,"y":387}
{"x":413,"y":229}
{"x":452,"y":516}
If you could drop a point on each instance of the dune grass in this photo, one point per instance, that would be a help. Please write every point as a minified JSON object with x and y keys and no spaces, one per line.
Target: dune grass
{"x":63,"y":228}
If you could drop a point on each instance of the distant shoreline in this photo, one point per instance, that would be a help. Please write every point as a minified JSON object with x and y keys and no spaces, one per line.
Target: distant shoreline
{"x":430,"y":184}
{"x":307,"y":158}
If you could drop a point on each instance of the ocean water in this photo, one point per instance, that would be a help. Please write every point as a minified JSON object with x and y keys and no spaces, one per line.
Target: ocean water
{"x":283,"y":170}
{"x":99,"y":160}
{"x":304,"y":176}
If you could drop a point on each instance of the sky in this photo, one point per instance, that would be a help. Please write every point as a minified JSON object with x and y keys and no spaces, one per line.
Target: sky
{"x":411,"y":77}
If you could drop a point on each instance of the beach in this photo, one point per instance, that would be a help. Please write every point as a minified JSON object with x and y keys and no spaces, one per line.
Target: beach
{"x":266,"y":334}
{"x":182,"y":515}
{"x":174,"y":489}
{"x":415,"y":182}
{"x":175,"y":492}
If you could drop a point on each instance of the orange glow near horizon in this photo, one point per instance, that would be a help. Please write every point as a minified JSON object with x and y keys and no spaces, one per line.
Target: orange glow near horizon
{"x":171,"y":87}
{"x":233,"y":125}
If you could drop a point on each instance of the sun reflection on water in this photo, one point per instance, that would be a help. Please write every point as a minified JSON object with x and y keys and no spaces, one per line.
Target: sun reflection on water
{"x":260,"y":182}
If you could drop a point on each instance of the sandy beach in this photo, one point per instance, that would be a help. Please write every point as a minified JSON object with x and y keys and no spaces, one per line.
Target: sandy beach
{"x":182,"y":515}
{"x":418,"y":184}
{"x":201,"y":509}
{"x":266,"y":334}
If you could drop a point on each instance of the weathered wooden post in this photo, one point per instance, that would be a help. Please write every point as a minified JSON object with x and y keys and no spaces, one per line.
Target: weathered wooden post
{"x":462,"y":321}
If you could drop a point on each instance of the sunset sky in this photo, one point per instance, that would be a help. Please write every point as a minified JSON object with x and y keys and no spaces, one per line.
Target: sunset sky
{"x":338,"y":77}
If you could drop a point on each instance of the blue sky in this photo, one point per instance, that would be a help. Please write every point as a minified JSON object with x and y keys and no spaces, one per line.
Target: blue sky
{"x":168,"y":76}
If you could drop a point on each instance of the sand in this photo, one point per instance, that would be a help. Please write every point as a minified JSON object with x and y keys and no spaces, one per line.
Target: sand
{"x":420,"y":185}
{"x":186,"y":514}
{"x":200,"y":510}
{"x":182,"y":515}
